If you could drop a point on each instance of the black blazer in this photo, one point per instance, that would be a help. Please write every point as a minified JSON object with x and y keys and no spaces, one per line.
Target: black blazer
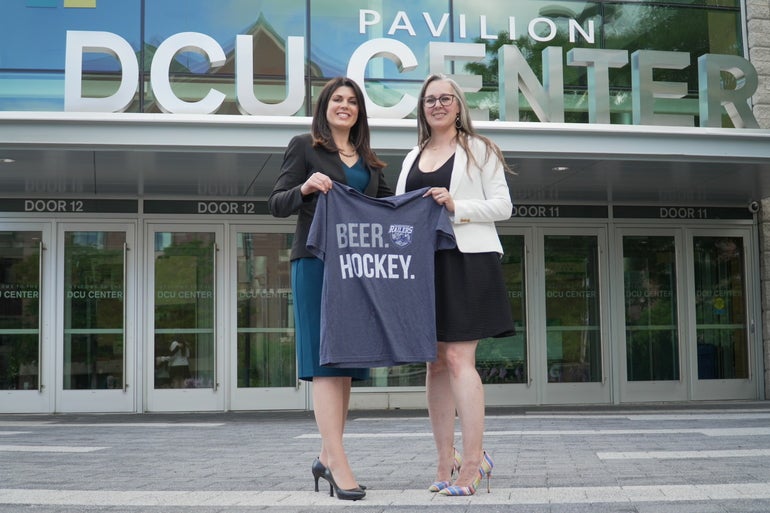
{"x":300,"y":161}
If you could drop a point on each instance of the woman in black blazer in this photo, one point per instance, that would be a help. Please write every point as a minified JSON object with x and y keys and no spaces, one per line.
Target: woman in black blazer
{"x":337,"y":149}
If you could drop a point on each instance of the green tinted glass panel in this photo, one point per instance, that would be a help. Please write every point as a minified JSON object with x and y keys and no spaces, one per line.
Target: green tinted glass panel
{"x":266,"y":350}
{"x":185,"y":351}
{"x":697,"y":31}
{"x":19,"y":310}
{"x":33,"y":75}
{"x":720,"y":308}
{"x":504,"y":360}
{"x":649,"y":285}
{"x":572,"y":309}
{"x":94,"y":288}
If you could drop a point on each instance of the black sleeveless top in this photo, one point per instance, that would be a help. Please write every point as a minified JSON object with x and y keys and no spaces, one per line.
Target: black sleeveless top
{"x":441,"y":177}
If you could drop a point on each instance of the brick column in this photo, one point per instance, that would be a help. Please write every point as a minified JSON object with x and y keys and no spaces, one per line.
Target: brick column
{"x":758,"y":36}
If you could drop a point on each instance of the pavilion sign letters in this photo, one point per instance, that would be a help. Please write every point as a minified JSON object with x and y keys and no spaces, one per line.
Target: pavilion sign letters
{"x":546,"y":98}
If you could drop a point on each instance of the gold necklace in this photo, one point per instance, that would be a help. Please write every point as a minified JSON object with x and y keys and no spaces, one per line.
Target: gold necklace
{"x":348,"y":155}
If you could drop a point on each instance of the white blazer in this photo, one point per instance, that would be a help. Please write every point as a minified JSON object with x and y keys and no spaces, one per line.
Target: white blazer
{"x":480,"y":194}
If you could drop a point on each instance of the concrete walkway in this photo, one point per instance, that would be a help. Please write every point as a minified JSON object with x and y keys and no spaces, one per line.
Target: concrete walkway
{"x":700,"y":458}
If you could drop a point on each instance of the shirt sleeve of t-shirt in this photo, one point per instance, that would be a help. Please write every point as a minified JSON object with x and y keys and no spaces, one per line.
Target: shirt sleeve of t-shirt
{"x":445,"y":234}
{"x":316,"y":238}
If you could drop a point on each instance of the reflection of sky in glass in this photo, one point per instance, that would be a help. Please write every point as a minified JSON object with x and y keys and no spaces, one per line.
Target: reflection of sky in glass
{"x":34,"y":38}
{"x":38,"y":35}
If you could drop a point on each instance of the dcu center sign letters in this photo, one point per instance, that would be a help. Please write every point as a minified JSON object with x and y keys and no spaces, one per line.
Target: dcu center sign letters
{"x":546,"y":98}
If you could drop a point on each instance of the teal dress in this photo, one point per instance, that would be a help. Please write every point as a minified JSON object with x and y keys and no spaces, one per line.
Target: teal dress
{"x":306,"y":285}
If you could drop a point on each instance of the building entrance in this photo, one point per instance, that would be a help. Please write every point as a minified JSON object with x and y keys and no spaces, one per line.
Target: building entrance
{"x":132,"y":315}
{"x":687,"y":317}
{"x":219,"y":322}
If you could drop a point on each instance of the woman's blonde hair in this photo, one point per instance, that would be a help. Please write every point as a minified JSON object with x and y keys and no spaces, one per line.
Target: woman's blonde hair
{"x":463,"y":124}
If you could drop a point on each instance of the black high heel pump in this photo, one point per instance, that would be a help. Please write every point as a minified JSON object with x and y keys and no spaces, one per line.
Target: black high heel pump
{"x":353,"y":494}
{"x":319,"y":469}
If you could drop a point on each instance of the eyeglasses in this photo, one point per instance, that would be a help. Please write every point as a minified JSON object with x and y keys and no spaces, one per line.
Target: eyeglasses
{"x":445,"y":100}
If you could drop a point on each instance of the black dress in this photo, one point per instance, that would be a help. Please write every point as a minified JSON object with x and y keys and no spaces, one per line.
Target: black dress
{"x":471,"y":298}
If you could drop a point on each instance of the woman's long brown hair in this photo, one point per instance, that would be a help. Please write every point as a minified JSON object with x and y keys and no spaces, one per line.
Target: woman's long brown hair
{"x":359,"y":133}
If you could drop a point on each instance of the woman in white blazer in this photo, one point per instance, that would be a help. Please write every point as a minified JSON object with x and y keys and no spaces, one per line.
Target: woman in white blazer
{"x":466,"y":173}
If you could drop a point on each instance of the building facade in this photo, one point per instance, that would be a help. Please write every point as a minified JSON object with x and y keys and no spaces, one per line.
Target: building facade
{"x":758,"y":23}
{"x":139,"y":140}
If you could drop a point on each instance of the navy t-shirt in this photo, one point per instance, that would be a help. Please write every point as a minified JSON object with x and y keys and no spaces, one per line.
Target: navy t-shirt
{"x":378,"y":304}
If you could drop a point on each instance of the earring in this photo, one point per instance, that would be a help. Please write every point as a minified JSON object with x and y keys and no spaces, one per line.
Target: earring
{"x":458,"y":122}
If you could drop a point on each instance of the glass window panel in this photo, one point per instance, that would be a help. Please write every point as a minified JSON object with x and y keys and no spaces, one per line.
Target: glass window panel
{"x":335,"y":33}
{"x":496,"y":24}
{"x":19,"y":310}
{"x":616,"y":26}
{"x":678,"y":29}
{"x":412,"y":375}
{"x":504,"y":360}
{"x":35,"y":39}
{"x":268,"y":21}
{"x":697,"y":26}
{"x":192,"y":88}
{"x":31,"y":91}
{"x":94,"y":285}
{"x":649,"y":281}
{"x":720,"y":308}
{"x":266,"y":348}
{"x":185,"y":352}
{"x":572,"y":309}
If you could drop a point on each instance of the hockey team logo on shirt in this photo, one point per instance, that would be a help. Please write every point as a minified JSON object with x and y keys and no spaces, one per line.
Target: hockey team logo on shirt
{"x":401,"y":234}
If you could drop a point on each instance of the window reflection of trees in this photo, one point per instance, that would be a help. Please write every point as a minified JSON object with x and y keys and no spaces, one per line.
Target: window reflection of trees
{"x":652,"y":347}
{"x":720,"y":308}
{"x":695,"y":29}
{"x":19,"y":272}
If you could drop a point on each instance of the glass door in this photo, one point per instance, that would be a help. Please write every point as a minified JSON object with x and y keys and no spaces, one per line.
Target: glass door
{"x":184,"y":361}
{"x":505,"y":364}
{"x":574,"y":369}
{"x":721,"y":317}
{"x":95,"y":299}
{"x":24,"y":371}
{"x":650,"y":350}
{"x":263,"y":359}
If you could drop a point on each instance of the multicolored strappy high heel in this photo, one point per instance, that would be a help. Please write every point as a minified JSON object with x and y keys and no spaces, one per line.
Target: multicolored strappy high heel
{"x":440,"y":485}
{"x":485,"y":469}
